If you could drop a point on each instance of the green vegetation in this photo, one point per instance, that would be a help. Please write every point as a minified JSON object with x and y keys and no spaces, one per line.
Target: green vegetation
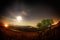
{"x":45,"y":23}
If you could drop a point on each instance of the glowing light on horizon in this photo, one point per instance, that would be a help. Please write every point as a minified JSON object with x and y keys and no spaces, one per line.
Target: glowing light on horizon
{"x":55,"y":22}
{"x":6,"y":25}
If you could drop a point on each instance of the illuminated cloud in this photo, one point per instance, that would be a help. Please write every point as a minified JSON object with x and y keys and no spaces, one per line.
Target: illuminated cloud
{"x":24,"y":13}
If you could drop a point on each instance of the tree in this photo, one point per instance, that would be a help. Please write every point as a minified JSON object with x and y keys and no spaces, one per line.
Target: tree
{"x":45,"y":23}
{"x":39,"y":25}
{"x":50,"y":22}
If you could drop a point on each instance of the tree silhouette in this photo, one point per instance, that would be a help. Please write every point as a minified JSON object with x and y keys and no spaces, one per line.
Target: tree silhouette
{"x":45,"y":23}
{"x":39,"y":25}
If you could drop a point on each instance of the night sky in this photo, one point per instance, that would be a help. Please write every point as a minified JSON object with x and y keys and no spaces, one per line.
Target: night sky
{"x":32,"y":11}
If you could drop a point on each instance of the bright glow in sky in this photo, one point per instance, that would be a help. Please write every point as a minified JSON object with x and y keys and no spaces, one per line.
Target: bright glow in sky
{"x":19,"y":18}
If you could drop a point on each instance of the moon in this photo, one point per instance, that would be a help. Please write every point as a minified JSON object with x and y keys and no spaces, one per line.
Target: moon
{"x":19,"y":18}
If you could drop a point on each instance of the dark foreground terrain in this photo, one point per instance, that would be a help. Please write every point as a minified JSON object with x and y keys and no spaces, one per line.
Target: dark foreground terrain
{"x":52,"y":33}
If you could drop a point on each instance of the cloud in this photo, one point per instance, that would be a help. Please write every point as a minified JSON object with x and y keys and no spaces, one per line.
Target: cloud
{"x":24,"y":13}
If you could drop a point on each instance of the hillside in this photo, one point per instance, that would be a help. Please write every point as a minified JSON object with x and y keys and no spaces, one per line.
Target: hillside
{"x":52,"y":33}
